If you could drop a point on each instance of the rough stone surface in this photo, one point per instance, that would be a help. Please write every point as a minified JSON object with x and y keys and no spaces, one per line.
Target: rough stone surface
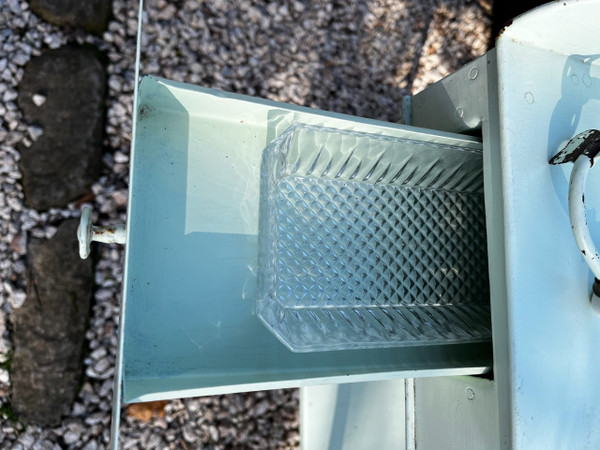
{"x":91,"y":15}
{"x":66,"y":155}
{"x":50,"y":328}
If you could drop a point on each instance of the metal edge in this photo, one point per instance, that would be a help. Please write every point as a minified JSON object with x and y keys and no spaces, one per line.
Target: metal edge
{"x":177,"y":87}
{"x":494,"y":162}
{"x":340,"y":379}
{"x":409,"y":414}
{"x":118,"y":375}
{"x":476,"y":94}
{"x":302,"y":406}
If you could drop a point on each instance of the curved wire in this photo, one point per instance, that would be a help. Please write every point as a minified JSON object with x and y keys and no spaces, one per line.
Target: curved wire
{"x":579,"y":226}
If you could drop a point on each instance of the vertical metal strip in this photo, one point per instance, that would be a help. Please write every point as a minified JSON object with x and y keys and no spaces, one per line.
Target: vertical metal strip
{"x":118,"y":376}
{"x":407,"y":109}
{"x":409,"y":413}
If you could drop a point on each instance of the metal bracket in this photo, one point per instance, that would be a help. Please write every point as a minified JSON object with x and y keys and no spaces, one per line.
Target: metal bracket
{"x":457,"y":103}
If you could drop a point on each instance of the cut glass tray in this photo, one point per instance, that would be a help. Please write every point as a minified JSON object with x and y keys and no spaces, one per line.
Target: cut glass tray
{"x":371,"y":241}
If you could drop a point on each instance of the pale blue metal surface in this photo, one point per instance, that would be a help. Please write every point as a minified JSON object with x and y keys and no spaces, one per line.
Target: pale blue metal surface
{"x":455,"y":413}
{"x":189,"y":326}
{"x":354,"y":416}
{"x":540,"y":87}
{"x":549,"y":78}
{"x":464,"y":102}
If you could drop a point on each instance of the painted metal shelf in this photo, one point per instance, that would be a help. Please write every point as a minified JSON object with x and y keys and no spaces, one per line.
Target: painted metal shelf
{"x":189,"y":326}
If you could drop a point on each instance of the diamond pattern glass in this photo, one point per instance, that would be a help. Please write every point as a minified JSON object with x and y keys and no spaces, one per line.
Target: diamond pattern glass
{"x":371,"y":241}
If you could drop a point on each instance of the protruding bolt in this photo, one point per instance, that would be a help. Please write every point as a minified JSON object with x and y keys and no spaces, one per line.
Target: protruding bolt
{"x":86,"y":233}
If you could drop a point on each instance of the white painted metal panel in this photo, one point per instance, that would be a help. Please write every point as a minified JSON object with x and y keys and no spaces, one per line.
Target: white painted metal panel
{"x":455,"y":413}
{"x":353,"y":416}
{"x":549,"y":79}
{"x":467,"y":100}
{"x":547,"y":68}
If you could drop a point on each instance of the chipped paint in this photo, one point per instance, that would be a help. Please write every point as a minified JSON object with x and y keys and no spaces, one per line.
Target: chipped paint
{"x":504,"y":28}
{"x":585,"y":143}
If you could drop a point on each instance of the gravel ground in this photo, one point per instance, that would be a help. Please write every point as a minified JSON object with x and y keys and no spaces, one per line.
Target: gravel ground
{"x":358,"y":57}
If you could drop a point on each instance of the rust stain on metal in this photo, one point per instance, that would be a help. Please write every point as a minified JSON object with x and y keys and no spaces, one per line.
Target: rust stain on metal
{"x":89,"y":197}
{"x":105,"y":230}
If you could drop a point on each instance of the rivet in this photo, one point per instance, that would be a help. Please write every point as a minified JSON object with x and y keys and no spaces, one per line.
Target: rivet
{"x":529,"y":98}
{"x":574,"y":79}
{"x":470,"y":393}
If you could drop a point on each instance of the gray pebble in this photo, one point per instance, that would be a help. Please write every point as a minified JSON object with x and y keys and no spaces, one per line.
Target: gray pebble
{"x":20,"y":59}
{"x":14,"y":6}
{"x":17,"y":299}
{"x":90,"y":445}
{"x":27,"y":439}
{"x":121,"y":157}
{"x":189,"y":434}
{"x":96,"y":418}
{"x":167,"y":13}
{"x":9,"y":95}
{"x":45,"y":445}
{"x":103,"y":295}
{"x":35,"y":132}
{"x":101,"y":366}
{"x":13,"y":137}
{"x":38,"y":99}
{"x":100,"y":352}
{"x":70,"y":437}
{"x":78,"y":409}
{"x":154,"y":441}
{"x":106,"y":389}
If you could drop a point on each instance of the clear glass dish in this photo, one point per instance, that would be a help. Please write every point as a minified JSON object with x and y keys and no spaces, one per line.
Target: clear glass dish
{"x":371,"y":241}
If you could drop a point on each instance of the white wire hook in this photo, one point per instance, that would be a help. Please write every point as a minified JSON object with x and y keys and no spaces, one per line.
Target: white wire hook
{"x":581,"y":150}
{"x":577,"y":214}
